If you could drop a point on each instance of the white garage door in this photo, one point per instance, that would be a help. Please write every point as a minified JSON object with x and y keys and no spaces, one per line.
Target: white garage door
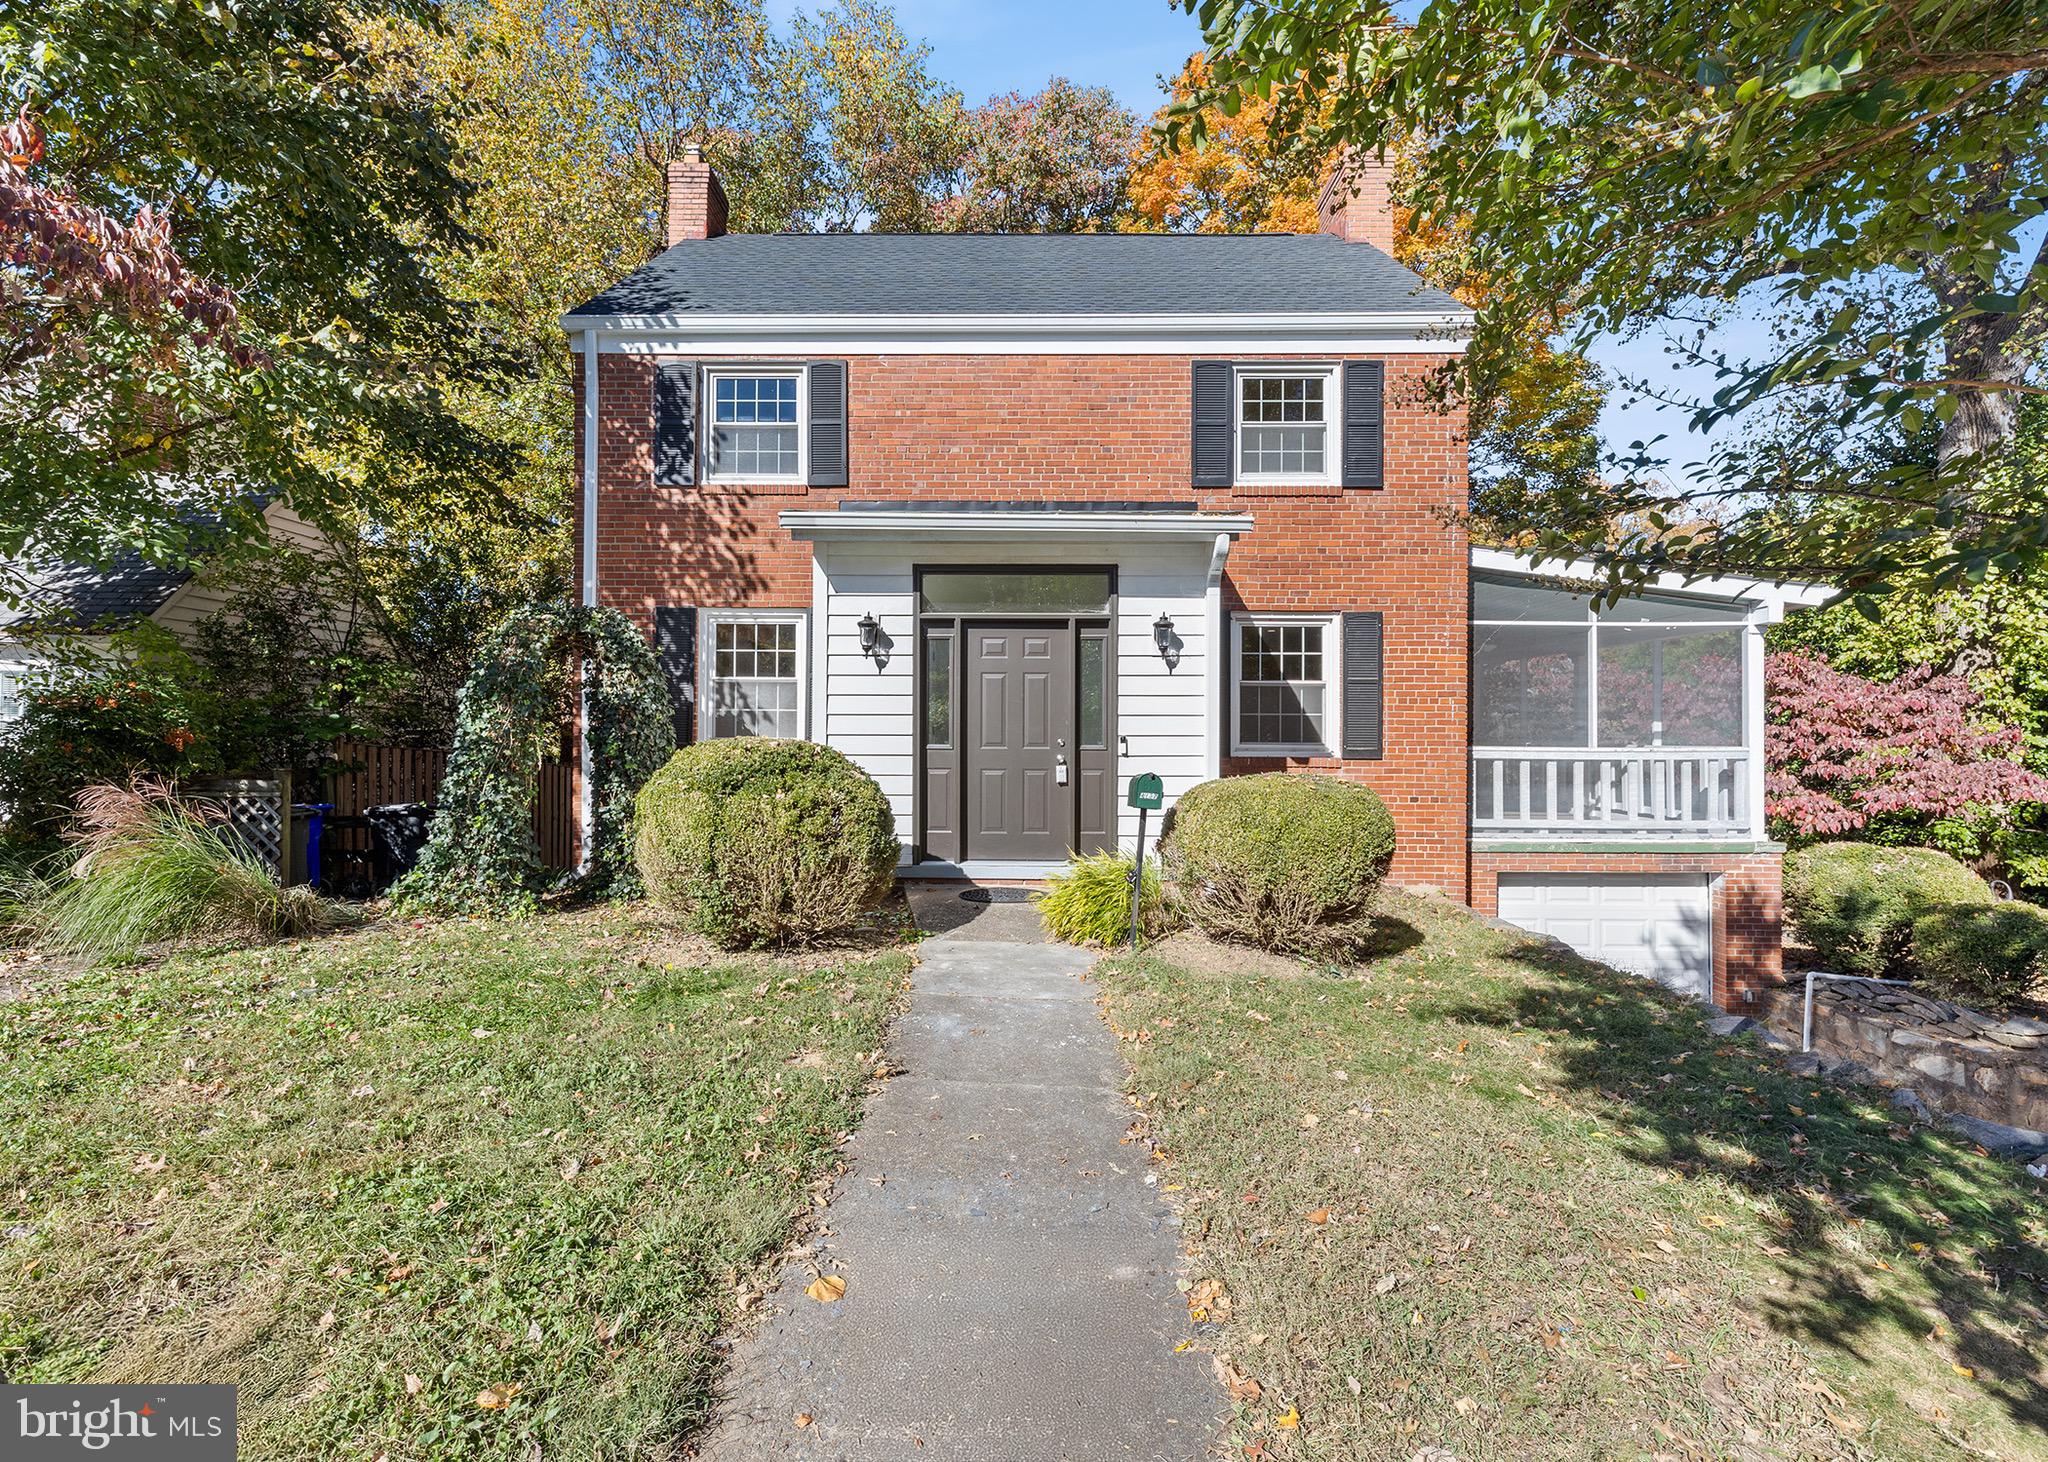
{"x":1656,"y":925}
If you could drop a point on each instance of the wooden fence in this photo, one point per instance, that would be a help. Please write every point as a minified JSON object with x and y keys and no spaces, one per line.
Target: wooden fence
{"x":375,"y":774}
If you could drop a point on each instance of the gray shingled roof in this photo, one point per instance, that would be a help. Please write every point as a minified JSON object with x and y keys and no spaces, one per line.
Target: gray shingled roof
{"x":1022,"y":274}
{"x":73,"y":596}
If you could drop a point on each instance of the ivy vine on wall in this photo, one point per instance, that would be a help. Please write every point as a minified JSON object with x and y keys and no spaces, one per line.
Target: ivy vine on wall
{"x":481,"y":853}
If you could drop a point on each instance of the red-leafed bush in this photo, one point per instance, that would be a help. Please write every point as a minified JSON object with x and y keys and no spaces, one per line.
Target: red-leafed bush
{"x":1844,"y":752}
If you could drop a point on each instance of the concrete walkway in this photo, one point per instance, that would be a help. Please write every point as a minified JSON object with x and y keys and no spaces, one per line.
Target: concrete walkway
{"x":1010,"y":1277}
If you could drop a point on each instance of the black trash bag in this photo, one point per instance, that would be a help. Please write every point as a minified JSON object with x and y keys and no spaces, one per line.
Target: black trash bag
{"x":398,"y":834}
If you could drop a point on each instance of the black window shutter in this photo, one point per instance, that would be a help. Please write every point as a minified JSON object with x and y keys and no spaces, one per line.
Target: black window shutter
{"x":1226,"y":668}
{"x":1365,"y":719}
{"x":675,"y":646}
{"x":827,"y":467}
{"x":1365,"y":423}
{"x":1212,"y":411}
{"x":675,"y":424}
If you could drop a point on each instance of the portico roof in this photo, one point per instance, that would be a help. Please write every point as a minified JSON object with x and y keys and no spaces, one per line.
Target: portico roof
{"x":1012,"y":524}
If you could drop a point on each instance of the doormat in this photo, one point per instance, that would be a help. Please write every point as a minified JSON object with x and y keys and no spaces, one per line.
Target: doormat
{"x":997,"y":895}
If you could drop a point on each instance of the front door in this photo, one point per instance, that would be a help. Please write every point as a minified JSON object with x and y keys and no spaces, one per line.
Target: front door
{"x":1019,"y":740}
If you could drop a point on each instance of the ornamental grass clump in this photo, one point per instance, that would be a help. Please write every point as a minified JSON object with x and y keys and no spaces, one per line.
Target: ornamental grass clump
{"x":1089,"y":902}
{"x":755,"y":841}
{"x":1285,"y":861}
{"x":146,"y":868}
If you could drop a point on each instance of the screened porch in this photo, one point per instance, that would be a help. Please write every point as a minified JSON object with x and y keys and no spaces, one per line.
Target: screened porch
{"x":1643,"y":718}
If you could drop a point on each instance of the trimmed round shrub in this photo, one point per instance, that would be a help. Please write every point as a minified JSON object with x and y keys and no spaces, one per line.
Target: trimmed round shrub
{"x":1991,"y":957}
{"x":1089,"y":901}
{"x":763,"y":842}
{"x":1855,"y":902}
{"x":1286,"y":861}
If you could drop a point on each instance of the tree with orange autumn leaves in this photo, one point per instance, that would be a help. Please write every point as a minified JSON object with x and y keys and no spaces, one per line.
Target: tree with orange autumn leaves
{"x":1533,"y":407}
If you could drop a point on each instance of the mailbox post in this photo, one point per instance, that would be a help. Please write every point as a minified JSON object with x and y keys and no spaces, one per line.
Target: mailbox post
{"x":1146,"y":794}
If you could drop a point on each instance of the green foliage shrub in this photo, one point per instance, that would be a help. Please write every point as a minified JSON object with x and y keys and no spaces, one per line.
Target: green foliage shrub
{"x":481,"y":854}
{"x":104,"y":714}
{"x":1855,"y":902}
{"x":760,"y":842}
{"x":1285,"y":861}
{"x":1090,"y":902}
{"x":146,"y":868}
{"x":1989,"y":957}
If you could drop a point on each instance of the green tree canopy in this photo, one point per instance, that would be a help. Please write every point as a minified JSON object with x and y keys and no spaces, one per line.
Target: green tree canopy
{"x":266,"y":324}
{"x":1862,"y":173}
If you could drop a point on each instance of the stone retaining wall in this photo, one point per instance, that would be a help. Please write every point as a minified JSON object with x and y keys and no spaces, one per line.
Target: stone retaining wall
{"x":1959,"y":1060}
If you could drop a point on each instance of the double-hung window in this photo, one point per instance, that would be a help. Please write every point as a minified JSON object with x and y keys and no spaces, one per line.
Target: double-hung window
{"x":1284,"y":431}
{"x":754,"y":674}
{"x":1287,"y":685}
{"x":755,"y":424}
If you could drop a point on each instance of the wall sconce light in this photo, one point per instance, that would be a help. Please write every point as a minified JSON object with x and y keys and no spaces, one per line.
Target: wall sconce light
{"x":870,"y":634}
{"x":1162,"y":636}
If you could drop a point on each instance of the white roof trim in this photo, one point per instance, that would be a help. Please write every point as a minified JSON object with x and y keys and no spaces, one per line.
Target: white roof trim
{"x":1425,"y":332}
{"x":1776,"y":597}
{"x":817,"y":525}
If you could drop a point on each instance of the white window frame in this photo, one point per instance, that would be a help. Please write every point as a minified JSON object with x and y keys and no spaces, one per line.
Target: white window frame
{"x":1333,"y":684}
{"x":14,"y":679}
{"x":1333,"y":423}
{"x":707,"y":663}
{"x":708,"y":393}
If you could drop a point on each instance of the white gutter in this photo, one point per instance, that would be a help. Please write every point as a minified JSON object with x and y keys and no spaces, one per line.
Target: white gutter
{"x":1776,"y":597}
{"x":1269,"y":336}
{"x":823,"y":525}
{"x":708,"y":325}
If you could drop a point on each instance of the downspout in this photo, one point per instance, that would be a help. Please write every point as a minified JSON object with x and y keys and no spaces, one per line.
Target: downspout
{"x":586,"y":808}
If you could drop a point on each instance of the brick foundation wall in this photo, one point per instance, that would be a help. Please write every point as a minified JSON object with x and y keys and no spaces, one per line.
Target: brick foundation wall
{"x":1065,"y":428}
{"x":1748,"y":893}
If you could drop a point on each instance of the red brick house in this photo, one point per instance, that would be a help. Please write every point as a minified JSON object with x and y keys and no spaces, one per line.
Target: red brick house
{"x":1011,"y":518}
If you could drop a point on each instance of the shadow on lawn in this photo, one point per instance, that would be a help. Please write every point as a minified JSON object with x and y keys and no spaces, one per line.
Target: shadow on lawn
{"x":1703,"y":1106}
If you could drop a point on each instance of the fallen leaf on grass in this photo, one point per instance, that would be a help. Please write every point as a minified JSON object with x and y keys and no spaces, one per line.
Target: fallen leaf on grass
{"x":1288,"y":1420}
{"x":1964,"y":1371}
{"x":1240,"y":1386}
{"x":413,"y":1384}
{"x":826,"y":1288}
{"x":1712,"y":1220}
{"x":498,"y":1397}
{"x":1319,"y":1216}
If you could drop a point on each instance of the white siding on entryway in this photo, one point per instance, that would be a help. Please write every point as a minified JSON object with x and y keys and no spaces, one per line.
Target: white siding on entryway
{"x":1657,"y":925}
{"x":866,"y":707}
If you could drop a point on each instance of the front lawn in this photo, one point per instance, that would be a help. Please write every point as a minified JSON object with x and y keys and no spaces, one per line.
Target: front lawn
{"x":473,"y":1189}
{"x":1484,"y":1196}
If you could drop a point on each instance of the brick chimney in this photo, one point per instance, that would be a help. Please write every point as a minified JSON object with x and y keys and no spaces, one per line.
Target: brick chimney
{"x":1356,"y":203}
{"x":696,"y":199}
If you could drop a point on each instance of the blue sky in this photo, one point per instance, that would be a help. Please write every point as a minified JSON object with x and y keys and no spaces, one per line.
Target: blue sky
{"x":986,"y":47}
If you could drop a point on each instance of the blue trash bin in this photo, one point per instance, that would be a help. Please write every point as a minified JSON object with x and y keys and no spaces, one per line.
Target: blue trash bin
{"x":316,"y":815}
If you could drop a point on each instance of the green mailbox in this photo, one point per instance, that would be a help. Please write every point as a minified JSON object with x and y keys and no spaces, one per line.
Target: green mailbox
{"x":1147,"y":792}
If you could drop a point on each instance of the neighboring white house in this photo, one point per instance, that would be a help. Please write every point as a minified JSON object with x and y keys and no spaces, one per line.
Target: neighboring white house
{"x":78,"y":604}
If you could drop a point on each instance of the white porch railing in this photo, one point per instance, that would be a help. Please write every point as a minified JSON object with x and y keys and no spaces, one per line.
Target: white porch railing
{"x":1661,"y":790}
